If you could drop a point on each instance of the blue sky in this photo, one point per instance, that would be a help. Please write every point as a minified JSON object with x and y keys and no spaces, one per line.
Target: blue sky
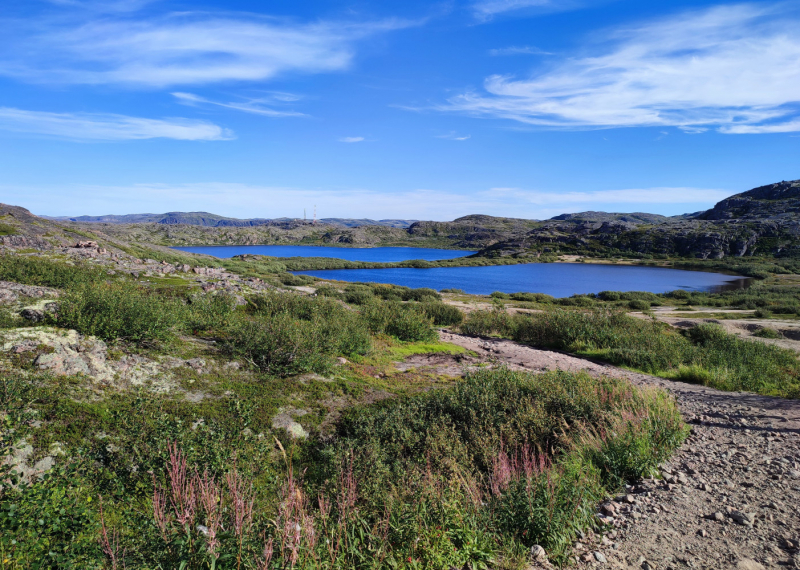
{"x":425,"y":110}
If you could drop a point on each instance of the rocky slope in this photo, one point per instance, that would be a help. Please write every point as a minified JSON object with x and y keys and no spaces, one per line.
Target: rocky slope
{"x":764,"y":220}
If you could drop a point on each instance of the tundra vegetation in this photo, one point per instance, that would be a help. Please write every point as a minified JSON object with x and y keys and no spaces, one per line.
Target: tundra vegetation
{"x":471,"y":473}
{"x":392,"y":474}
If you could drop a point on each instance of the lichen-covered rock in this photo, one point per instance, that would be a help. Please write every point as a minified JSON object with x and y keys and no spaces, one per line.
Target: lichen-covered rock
{"x":67,"y":353}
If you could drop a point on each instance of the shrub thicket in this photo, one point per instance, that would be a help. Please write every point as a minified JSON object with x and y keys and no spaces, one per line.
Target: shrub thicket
{"x":120,"y":310}
{"x":284,"y":333}
{"x":44,"y":272}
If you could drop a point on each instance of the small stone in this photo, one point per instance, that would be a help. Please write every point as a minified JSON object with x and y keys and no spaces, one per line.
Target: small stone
{"x":717,"y":516}
{"x":538,"y":553}
{"x":702,"y":532}
{"x":600,"y":557}
{"x":342,"y":360}
{"x":745,"y":519}
{"x":748,"y":564}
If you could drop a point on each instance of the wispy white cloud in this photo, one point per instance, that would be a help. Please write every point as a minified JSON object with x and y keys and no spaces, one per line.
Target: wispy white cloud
{"x":453,"y":136}
{"x":108,"y":127}
{"x":735,"y":68}
{"x":254,"y":106}
{"x":247,"y":201}
{"x":351,"y":139}
{"x":486,"y":9}
{"x":519,"y":50}
{"x":188,"y":48}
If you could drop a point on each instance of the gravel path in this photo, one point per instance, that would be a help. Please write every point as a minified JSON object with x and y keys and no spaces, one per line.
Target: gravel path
{"x":729,"y":498}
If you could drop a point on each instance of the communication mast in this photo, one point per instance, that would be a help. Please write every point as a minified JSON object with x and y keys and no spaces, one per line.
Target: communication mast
{"x":304,"y":214}
{"x":315,"y":213}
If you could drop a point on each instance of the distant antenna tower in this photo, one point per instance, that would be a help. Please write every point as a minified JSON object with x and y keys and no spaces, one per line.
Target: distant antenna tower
{"x":304,"y":214}
{"x":315,"y":213}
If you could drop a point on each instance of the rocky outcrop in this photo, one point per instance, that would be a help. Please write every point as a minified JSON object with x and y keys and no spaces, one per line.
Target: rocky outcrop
{"x":67,"y":353}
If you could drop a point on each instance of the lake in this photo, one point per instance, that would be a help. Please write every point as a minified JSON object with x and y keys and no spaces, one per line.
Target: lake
{"x":381,"y":254}
{"x":556,"y":279}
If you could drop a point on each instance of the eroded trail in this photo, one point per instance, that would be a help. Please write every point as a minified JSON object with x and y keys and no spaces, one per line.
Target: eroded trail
{"x":730,"y":497}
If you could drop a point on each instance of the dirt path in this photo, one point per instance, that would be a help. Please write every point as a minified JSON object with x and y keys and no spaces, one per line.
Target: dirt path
{"x":730,"y":497}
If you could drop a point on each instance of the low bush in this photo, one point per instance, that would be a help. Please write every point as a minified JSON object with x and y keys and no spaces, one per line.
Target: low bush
{"x":120,"y":310}
{"x":421,"y":294}
{"x":358,"y":294}
{"x":402,"y":321}
{"x":328,"y":291}
{"x":767,"y":332}
{"x":295,"y":280}
{"x":44,"y":272}
{"x":533,"y":297}
{"x":287,"y":334}
{"x":209,"y":312}
{"x":443,"y":315}
{"x":639,"y":305}
{"x":486,"y":323}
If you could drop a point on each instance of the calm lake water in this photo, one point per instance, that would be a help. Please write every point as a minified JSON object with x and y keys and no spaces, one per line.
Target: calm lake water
{"x":557,"y":279}
{"x":382,"y":254}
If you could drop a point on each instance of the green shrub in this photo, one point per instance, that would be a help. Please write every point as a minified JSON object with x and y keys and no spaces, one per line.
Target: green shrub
{"x":289,"y":334}
{"x":402,"y":321}
{"x":454,"y":291}
{"x":639,"y":305}
{"x":767,"y":333}
{"x":358,"y":295}
{"x":762,"y":313}
{"x":295,"y":280}
{"x":209,"y":312}
{"x":532,"y":297}
{"x":328,"y":291}
{"x":44,"y":272}
{"x":609,"y":295}
{"x":421,"y":294}
{"x":442,"y":314}
{"x":500,"y":295}
{"x":577,"y":301}
{"x":486,"y":323}
{"x":119,"y":311}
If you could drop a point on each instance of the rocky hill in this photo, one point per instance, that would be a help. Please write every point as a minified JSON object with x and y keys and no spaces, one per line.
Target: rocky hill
{"x":206,"y":219}
{"x":764,"y":220}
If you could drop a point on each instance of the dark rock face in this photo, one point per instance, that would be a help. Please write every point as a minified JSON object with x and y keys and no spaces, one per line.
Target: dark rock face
{"x":774,"y":201}
{"x":763,"y":220}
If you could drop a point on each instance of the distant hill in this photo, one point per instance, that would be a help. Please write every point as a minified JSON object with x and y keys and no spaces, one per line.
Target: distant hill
{"x":761,"y":221}
{"x":764,"y":220}
{"x":207,"y":219}
{"x":772,"y":202}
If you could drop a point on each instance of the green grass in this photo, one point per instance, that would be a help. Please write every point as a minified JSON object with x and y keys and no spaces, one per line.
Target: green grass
{"x":473,"y":474}
{"x":730,"y":363}
{"x":409,"y":349}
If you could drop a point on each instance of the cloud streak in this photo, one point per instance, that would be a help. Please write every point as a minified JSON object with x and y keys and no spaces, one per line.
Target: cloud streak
{"x":189,"y":48}
{"x":351,"y":139}
{"x":253,"y":106}
{"x":733,"y":68}
{"x":108,"y":127}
